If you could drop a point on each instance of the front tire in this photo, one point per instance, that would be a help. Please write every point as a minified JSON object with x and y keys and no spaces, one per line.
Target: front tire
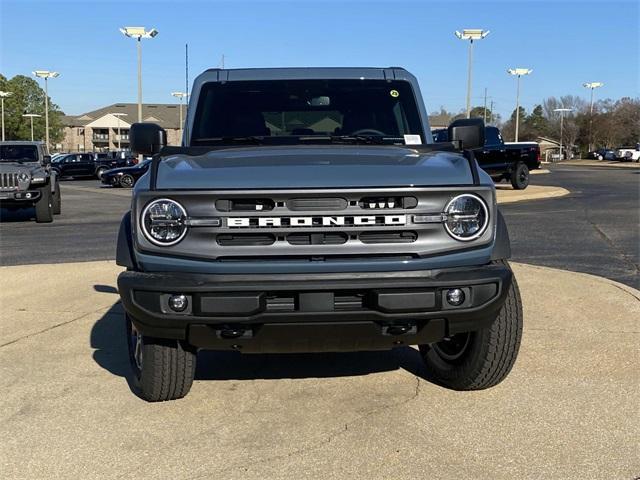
{"x":44,"y":206}
{"x":127,"y":181}
{"x":163,"y":368}
{"x":99,"y":172}
{"x":57,"y":200}
{"x":520,"y":176}
{"x":481,"y":359}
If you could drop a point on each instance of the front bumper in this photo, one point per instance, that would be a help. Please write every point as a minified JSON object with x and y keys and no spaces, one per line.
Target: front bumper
{"x":18,"y":197}
{"x":315,"y":312}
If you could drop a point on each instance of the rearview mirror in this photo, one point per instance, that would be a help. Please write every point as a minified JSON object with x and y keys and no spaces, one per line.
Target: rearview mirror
{"x":468,"y":133}
{"x":46,"y":160}
{"x":147,"y":138}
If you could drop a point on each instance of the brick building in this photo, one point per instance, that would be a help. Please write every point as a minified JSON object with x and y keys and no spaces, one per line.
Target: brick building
{"x":97,"y":130}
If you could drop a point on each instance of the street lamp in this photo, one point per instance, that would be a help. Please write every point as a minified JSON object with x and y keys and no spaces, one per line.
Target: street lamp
{"x":518,"y":72}
{"x":31,"y":116}
{"x":46,"y":74}
{"x":561,"y":110}
{"x":181,"y":96}
{"x":139,"y":33}
{"x":4,"y":95}
{"x":118,"y":115}
{"x":470,"y":34}
{"x":592,"y":86}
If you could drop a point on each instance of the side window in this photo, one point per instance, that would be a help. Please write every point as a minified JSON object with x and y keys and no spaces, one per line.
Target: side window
{"x":70,"y":159}
{"x":492,"y":136}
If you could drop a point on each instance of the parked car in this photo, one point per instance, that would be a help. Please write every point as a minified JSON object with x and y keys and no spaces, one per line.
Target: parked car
{"x":502,"y":160}
{"x":125,"y":177}
{"x":312,"y":237}
{"x":27,"y":180}
{"x":628,"y":154}
{"x":603,"y":154}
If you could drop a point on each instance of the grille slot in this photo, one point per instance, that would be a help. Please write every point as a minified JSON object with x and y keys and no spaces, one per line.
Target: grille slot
{"x":333,"y":238}
{"x":406,"y":236}
{"x":9,"y":180}
{"x":315,"y":204}
{"x":244,"y":204}
{"x":370,"y":203}
{"x":245,"y":239}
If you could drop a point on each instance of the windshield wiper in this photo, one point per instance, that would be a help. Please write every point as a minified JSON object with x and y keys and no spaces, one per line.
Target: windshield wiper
{"x":368,"y":139}
{"x":250,"y":139}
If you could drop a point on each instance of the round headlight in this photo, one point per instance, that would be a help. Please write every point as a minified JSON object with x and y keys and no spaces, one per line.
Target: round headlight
{"x":23,"y":177}
{"x":467,"y":217}
{"x":164,"y":222}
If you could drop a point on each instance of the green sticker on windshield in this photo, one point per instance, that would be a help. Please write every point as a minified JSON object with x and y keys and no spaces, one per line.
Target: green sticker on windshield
{"x":394,"y":93}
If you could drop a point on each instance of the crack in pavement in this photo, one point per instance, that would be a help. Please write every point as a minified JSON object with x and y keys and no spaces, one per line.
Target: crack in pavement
{"x":48,"y":329}
{"x":325,"y":441}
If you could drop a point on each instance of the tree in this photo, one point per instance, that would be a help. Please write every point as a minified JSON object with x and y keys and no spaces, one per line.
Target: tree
{"x":28,"y":97}
{"x":536,"y":125}
{"x":478,"y":112}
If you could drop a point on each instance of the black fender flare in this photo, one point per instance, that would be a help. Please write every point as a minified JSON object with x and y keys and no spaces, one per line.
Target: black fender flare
{"x":124,"y":247}
{"x":502,"y":245}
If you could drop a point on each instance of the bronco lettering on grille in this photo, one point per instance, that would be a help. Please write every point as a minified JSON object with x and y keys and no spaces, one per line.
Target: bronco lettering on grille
{"x":322,"y":221}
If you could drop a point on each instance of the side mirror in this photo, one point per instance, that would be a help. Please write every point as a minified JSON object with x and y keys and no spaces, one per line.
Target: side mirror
{"x":147,"y":138}
{"x":46,"y":160}
{"x":468,"y":133}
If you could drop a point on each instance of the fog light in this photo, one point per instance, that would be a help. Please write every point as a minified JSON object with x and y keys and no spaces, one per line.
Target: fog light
{"x":178,"y":303}
{"x":28,"y":195}
{"x":455,"y":297}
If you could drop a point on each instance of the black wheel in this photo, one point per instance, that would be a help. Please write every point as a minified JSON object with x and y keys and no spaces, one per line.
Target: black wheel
{"x":57,"y":200}
{"x":481,"y":359}
{"x":44,"y":206}
{"x":164,"y":369}
{"x":127,"y":181}
{"x":520,"y":176}
{"x":99,"y":172}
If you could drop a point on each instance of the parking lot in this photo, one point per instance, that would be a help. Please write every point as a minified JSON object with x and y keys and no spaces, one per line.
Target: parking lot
{"x":564,"y":412}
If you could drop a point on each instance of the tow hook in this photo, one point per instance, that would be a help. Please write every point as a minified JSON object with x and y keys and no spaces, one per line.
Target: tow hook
{"x":231,"y":333}
{"x":397,"y":330}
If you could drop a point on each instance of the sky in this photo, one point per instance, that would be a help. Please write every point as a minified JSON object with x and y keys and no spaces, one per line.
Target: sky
{"x":566,"y":43}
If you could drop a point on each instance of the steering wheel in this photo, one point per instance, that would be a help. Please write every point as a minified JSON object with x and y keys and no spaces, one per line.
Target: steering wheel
{"x":368,"y":131}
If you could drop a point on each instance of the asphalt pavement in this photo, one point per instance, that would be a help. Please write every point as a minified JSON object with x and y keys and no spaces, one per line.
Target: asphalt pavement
{"x":595,"y":229}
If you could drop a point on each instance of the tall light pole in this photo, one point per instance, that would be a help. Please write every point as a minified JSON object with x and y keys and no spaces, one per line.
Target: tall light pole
{"x":181,"y":96}
{"x":31,"y":116}
{"x":4,"y":95}
{"x":592,"y":86}
{"x":518,"y":72}
{"x":46,"y":74}
{"x":470,"y":34}
{"x":138,"y":33}
{"x":118,"y":115}
{"x":561,"y":110}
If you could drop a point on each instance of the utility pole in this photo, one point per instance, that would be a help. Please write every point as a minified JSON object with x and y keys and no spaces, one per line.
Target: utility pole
{"x":31,"y":116}
{"x":491,"y":110}
{"x":561,"y":110}
{"x":518,"y":72}
{"x":484,"y":109}
{"x":4,"y":95}
{"x":46,"y":75}
{"x":470,"y":34}
{"x":592,"y":86}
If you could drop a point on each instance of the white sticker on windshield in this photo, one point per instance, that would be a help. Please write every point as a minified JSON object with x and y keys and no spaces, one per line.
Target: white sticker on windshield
{"x":412,"y":140}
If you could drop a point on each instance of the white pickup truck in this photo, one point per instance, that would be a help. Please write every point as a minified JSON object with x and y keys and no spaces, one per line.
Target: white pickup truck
{"x":629,"y":154}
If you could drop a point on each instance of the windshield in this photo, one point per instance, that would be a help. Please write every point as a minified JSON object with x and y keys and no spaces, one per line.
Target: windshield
{"x":18,"y":153}
{"x":306,"y":110}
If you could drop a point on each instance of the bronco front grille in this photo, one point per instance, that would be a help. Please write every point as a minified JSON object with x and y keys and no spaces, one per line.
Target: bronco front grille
{"x":316,"y":225}
{"x":9,"y":181}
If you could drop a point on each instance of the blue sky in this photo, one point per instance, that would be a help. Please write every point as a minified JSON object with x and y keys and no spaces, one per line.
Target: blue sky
{"x":566,"y":43}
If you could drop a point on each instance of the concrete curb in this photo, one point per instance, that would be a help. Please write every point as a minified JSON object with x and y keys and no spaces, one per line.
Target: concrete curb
{"x":600,"y":164}
{"x":540,"y":171}
{"x":533,"y":192}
